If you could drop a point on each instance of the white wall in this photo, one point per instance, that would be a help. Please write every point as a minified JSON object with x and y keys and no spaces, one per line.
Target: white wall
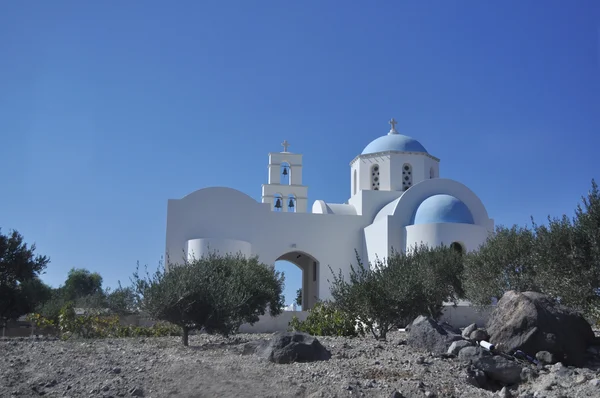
{"x":269,"y":324}
{"x":468,"y":235}
{"x":197,"y":248}
{"x":390,"y":169}
{"x":225,"y":213}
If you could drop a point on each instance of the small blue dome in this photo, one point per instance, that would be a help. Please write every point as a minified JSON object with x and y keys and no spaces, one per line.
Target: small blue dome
{"x":442,"y":208}
{"x":394,"y":142}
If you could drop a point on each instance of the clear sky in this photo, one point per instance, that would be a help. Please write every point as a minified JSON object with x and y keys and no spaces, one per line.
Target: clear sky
{"x":108,"y":109}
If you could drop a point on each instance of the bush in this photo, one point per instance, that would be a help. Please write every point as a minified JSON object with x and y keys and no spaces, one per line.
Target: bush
{"x":326,"y":320}
{"x":560,"y":259}
{"x":99,"y":326}
{"x":214,"y":293}
{"x":388,"y":293}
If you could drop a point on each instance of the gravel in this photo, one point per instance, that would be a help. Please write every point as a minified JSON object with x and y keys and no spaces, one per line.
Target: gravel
{"x":213,"y":366}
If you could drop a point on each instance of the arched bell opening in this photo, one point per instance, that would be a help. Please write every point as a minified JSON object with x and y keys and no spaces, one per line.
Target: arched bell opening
{"x":286,"y":173}
{"x":278,"y":202}
{"x":307,"y":281}
{"x":291,"y":203}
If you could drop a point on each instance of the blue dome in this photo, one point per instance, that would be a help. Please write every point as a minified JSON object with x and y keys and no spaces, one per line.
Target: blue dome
{"x":394,"y":142}
{"x":442,"y":209}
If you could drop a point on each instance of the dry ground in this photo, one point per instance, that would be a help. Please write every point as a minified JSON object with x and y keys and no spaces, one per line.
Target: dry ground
{"x":213,"y":367}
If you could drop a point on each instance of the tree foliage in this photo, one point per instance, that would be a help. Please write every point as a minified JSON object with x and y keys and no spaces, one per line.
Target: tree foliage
{"x":214,"y":293}
{"x":325,"y":319}
{"x":505,"y":262}
{"x":393,"y":292}
{"x":82,"y":283}
{"x":560,"y":259}
{"x":20,"y":267}
{"x":299,"y":297}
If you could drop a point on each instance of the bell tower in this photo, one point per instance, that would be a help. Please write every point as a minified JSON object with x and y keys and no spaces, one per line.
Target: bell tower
{"x":284,"y":190}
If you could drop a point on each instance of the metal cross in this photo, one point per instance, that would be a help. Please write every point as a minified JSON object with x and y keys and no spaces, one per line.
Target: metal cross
{"x":285,"y":145}
{"x":393,"y":123}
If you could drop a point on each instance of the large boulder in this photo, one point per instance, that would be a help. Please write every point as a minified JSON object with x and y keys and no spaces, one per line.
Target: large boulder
{"x":288,"y":347}
{"x":533,"y":322}
{"x":427,"y":334}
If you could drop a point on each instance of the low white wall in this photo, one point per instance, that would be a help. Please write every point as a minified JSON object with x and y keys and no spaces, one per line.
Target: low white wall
{"x":464,"y":315}
{"x":458,"y":316}
{"x":269,"y":324}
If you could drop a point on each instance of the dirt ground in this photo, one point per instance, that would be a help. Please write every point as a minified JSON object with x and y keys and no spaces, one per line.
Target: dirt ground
{"x":213,"y":367}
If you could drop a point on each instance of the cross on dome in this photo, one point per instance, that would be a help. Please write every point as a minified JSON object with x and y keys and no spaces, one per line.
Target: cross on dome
{"x":285,"y":145}
{"x":393,"y":123}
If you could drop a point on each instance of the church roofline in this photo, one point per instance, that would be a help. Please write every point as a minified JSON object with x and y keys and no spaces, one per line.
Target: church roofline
{"x":376,"y":154}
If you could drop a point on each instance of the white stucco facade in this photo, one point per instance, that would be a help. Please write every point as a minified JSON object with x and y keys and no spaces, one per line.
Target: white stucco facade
{"x":398,"y":199}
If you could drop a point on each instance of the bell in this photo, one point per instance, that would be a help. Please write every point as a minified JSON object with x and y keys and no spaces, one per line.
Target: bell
{"x":291,"y":203}
{"x":285,"y":172}
{"x":278,"y":203}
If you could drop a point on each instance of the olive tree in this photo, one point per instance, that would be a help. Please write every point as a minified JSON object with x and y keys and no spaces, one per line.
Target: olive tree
{"x":386,"y":294}
{"x":215,"y":293}
{"x":506,"y":261}
{"x":20,"y":268}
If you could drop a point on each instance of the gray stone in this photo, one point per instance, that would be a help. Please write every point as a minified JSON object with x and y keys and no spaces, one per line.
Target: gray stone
{"x":428,"y":335}
{"x":288,"y":347}
{"x":545,"y":357}
{"x":504,"y":393}
{"x":470,"y":353}
{"x":474,"y":377}
{"x":533,"y":322}
{"x":458,"y":345}
{"x":498,"y":368}
{"x":479,"y":335}
{"x":396,"y":394}
{"x":467,"y":331}
{"x":136,"y":392}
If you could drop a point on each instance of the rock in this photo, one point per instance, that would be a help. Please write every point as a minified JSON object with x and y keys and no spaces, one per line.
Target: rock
{"x":467,"y":331}
{"x":498,"y":368}
{"x":545,"y":357}
{"x":504,"y":393}
{"x":420,"y":360}
{"x":470,"y":353}
{"x":458,"y":345}
{"x":136,"y":392}
{"x":427,"y":335}
{"x":396,"y":394}
{"x":474,"y":377}
{"x":288,"y":347}
{"x":479,"y":335}
{"x":532,"y":322}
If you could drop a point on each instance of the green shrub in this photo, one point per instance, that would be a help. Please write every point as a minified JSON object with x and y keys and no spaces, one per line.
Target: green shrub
{"x":97,"y":325}
{"x":326,"y":320}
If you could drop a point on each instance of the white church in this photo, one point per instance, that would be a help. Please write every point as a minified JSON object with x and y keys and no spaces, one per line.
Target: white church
{"x":398,"y":200}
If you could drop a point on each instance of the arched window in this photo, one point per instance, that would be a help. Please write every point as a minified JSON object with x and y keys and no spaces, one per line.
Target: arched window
{"x":278,"y":202}
{"x":407,"y":177}
{"x":375,"y":177}
{"x":291,"y":204}
{"x":457,"y":247}
{"x":286,"y":173}
{"x":355,"y":182}
{"x":431,"y":172}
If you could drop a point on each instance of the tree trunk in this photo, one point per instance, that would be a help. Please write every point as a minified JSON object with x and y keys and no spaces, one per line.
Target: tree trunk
{"x":185,"y":335}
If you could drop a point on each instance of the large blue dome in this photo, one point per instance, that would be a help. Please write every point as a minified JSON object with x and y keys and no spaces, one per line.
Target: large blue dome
{"x":394,"y":142}
{"x":442,"y":208}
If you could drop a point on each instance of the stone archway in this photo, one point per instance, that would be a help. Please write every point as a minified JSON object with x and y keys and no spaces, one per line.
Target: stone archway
{"x":310,"y":276}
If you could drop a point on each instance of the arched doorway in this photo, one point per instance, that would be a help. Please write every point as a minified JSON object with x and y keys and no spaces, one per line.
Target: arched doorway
{"x":457,"y":247}
{"x":309,"y":279}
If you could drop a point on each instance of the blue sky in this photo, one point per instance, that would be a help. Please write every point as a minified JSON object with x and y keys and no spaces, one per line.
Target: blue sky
{"x":108,"y":109}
